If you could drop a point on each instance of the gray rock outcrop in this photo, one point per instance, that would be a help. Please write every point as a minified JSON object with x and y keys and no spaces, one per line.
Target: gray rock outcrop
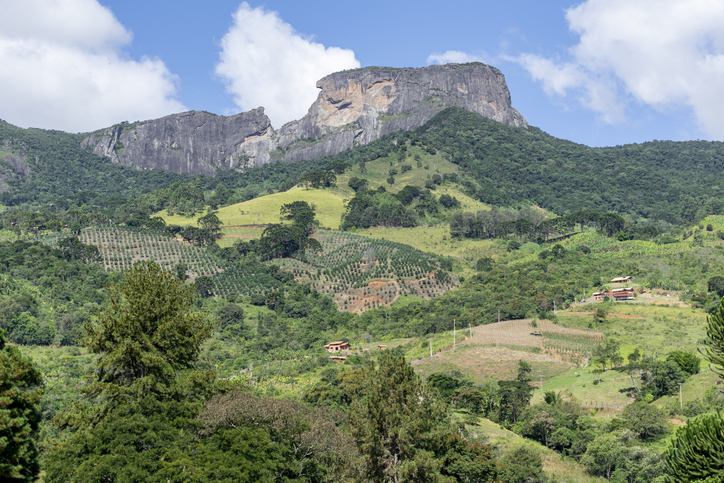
{"x":192,"y":142}
{"x":353,"y":108}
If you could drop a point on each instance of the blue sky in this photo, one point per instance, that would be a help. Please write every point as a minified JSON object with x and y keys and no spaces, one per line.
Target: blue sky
{"x":599,"y":72}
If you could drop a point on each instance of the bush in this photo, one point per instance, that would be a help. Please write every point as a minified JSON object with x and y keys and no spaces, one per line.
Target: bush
{"x":686,"y":361}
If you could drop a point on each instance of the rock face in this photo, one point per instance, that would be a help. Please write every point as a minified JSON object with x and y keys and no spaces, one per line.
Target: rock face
{"x":353,"y":108}
{"x":191,"y":142}
{"x":13,"y":165}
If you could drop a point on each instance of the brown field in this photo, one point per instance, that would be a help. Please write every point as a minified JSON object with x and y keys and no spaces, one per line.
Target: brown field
{"x":494,"y":350}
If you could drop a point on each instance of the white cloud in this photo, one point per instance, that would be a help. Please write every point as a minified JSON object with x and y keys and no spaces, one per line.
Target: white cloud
{"x":62,"y":68}
{"x":265,"y":62}
{"x":453,"y":57}
{"x":667,"y":54}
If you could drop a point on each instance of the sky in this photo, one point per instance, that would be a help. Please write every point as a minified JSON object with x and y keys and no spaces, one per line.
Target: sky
{"x":597,"y":72}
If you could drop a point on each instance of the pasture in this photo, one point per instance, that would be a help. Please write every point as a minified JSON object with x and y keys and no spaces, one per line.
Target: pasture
{"x":329,"y":206}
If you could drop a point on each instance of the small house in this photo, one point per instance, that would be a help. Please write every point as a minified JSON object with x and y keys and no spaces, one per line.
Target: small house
{"x":621,"y":279}
{"x":337,"y":346}
{"x":382,"y":347}
{"x":623,"y":294}
{"x":599,"y":296}
{"x":338,"y":358}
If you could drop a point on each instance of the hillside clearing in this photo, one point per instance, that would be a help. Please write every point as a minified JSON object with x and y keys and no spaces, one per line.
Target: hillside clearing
{"x":264,"y":210}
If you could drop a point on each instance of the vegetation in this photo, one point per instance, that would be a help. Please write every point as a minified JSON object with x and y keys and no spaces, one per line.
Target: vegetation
{"x":203,"y":353}
{"x":19,"y":415}
{"x":695,"y":452}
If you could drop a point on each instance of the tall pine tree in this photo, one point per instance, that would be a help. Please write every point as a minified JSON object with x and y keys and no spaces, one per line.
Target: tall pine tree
{"x":19,"y":415}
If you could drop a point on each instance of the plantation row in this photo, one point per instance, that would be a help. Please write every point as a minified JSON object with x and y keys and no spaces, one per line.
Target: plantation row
{"x":357,"y":259}
{"x":243,"y":280}
{"x":120,"y":247}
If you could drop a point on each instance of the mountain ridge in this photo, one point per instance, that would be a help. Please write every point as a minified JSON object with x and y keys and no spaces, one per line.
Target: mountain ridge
{"x":353,"y":108}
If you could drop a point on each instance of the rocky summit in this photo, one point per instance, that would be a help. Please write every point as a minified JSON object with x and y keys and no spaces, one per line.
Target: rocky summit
{"x":353,"y":108}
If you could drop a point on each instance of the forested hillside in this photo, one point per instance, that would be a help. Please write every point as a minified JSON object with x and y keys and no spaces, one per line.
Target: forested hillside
{"x":176,"y":347}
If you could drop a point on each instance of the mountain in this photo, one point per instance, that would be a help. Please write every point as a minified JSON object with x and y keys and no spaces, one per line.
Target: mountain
{"x":353,"y":108}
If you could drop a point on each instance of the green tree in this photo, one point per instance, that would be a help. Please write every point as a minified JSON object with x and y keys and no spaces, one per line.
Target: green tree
{"x":210,"y":222}
{"x":394,"y":423}
{"x":19,"y":415}
{"x":204,"y":286}
{"x":662,"y":377}
{"x":608,"y":351}
{"x":687,"y":361}
{"x":514,"y":396}
{"x":645,"y":420}
{"x":74,"y":249}
{"x":716,"y":285}
{"x":300,"y":213}
{"x":181,"y":268}
{"x":697,"y":450}
{"x":602,"y":455}
{"x":522,"y":465}
{"x":147,"y":332}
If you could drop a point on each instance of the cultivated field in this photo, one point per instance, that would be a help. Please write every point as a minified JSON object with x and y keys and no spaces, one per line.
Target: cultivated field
{"x":230,"y":234}
{"x":493,"y":351}
{"x":437,"y":239}
{"x":120,"y":247}
{"x":363,"y":273}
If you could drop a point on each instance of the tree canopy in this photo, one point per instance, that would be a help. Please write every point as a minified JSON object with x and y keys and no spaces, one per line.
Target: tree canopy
{"x":19,"y":415}
{"x":148,"y":330}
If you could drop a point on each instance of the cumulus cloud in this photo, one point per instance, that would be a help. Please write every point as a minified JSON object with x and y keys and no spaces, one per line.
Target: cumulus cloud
{"x":265,"y":62}
{"x":453,"y":57}
{"x":667,"y":54}
{"x":63,"y":68}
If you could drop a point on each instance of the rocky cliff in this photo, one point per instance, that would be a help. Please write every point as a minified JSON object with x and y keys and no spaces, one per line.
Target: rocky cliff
{"x":353,"y":108}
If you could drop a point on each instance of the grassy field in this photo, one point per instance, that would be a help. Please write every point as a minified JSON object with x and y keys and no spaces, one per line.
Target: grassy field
{"x":233,"y":233}
{"x":655,"y":329}
{"x":328,"y":203}
{"x":557,"y":467}
{"x":561,"y":353}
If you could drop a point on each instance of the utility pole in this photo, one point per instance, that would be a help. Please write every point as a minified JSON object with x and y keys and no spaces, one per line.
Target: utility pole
{"x":681,"y":401}
{"x":454,"y":332}
{"x":430,"y":347}
{"x":251,"y":372}
{"x":471,"y":330}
